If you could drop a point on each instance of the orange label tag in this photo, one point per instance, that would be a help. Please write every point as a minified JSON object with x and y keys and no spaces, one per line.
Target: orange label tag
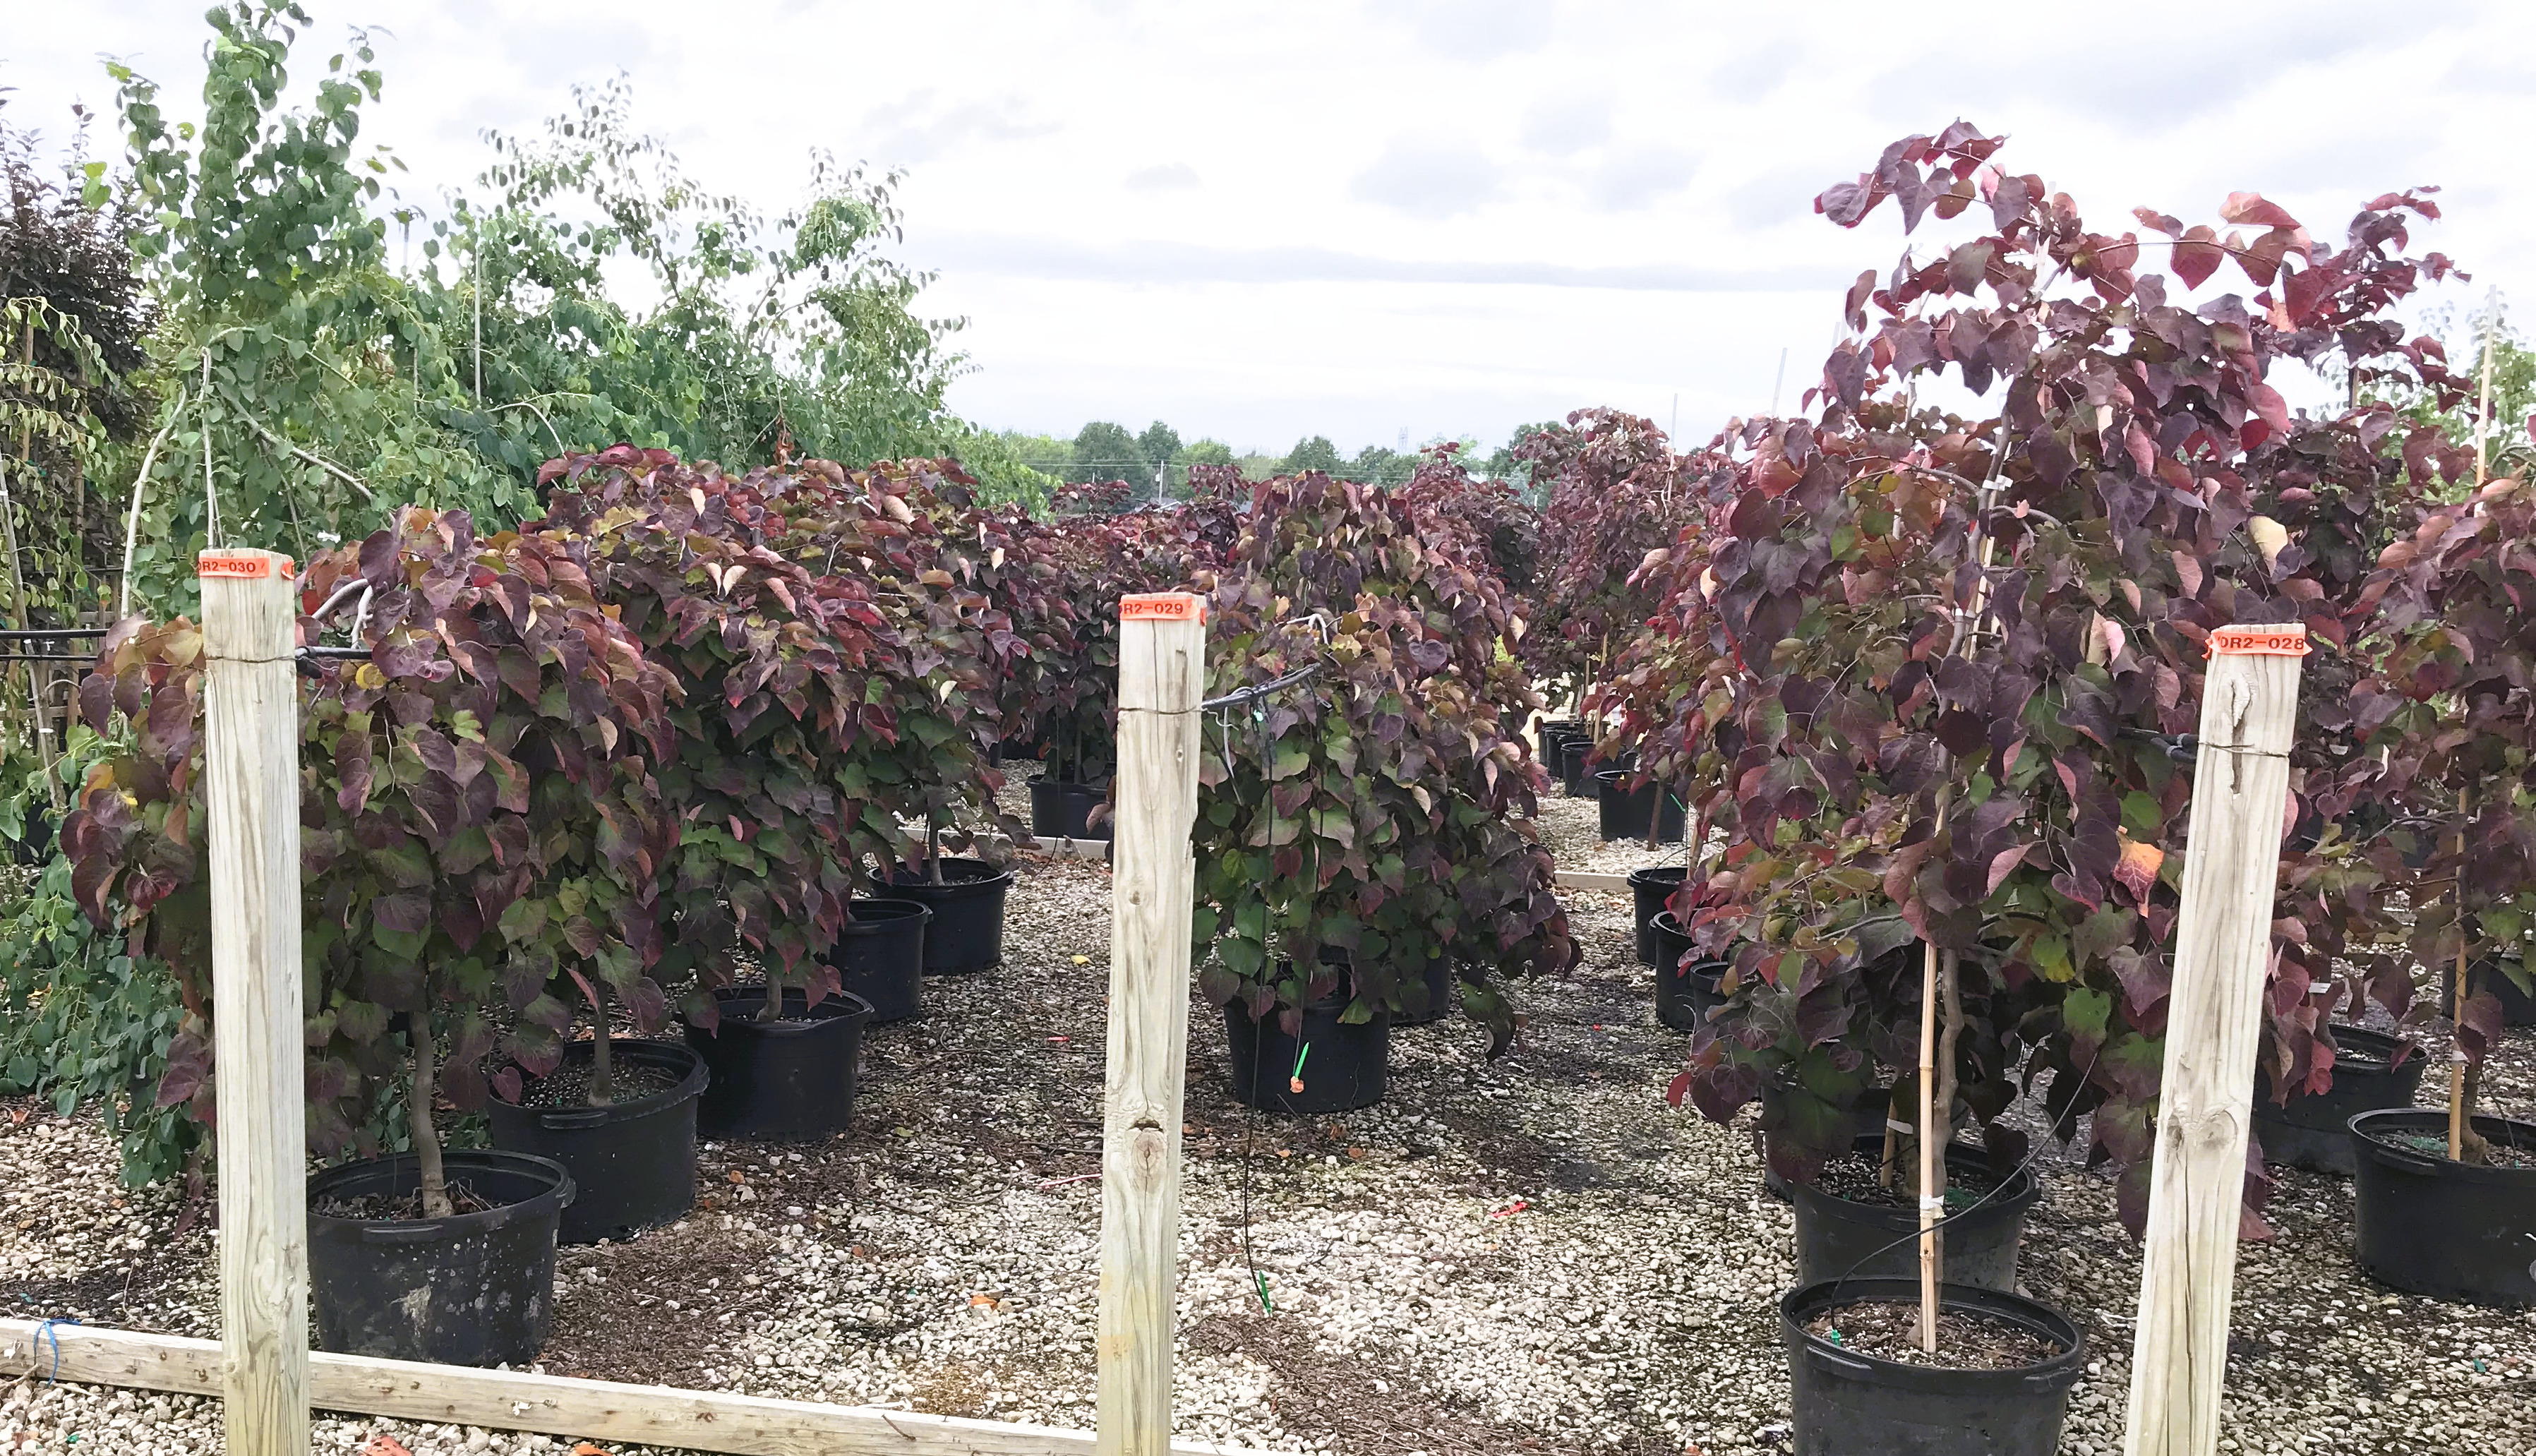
{"x":241,"y":565}
{"x":1161,"y":606}
{"x":2260,"y":642}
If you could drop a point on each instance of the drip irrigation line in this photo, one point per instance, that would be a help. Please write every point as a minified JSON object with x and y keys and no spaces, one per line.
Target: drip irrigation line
{"x":1245,"y":697}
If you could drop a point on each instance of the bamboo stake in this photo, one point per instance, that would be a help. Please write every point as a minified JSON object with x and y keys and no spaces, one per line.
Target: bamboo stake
{"x":251,"y":803}
{"x":1930,"y":1198}
{"x":1162,"y":670}
{"x":2214,"y":1019}
{"x":2456,"y":1051}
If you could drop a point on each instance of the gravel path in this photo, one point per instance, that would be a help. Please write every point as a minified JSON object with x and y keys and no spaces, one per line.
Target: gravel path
{"x":1536,"y":1255}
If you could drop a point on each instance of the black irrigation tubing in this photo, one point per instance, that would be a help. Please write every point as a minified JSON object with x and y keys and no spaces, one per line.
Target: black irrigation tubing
{"x":1244,"y":697}
{"x":14,"y":634}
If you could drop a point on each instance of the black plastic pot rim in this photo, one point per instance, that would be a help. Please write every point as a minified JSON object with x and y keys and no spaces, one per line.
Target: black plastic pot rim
{"x":454,"y":1163}
{"x":690,"y":1086}
{"x":822,"y":1013}
{"x":2366,"y":1127}
{"x":957,"y":874}
{"x":1805,"y":1301}
{"x":883,"y":913}
{"x":1659,"y":874}
{"x":1094,"y":789}
{"x":2015,"y":1193}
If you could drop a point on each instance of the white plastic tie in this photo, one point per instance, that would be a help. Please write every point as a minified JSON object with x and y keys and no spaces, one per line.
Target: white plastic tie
{"x":1933,"y":1201}
{"x":1904,"y":1128}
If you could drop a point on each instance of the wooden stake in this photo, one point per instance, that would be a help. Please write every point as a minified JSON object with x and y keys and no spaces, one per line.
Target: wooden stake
{"x":557,"y":1405}
{"x":1162,"y":672}
{"x":2214,"y":1016}
{"x":251,"y":801}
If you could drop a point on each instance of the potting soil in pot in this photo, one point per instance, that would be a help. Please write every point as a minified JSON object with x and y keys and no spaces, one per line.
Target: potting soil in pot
{"x":1966,"y":1341}
{"x":1855,"y":1177}
{"x":381,"y":1208}
{"x":568,"y":1085}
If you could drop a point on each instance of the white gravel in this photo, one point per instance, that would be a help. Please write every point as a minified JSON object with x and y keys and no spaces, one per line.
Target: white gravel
{"x":1536,"y":1255}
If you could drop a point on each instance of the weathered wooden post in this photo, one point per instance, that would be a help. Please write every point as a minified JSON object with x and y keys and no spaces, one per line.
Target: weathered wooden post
{"x":252,"y":799}
{"x":2214,"y":1016}
{"x":1161,"y":673}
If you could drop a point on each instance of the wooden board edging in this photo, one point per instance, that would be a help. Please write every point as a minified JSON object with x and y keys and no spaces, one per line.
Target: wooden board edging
{"x":553,"y":1405}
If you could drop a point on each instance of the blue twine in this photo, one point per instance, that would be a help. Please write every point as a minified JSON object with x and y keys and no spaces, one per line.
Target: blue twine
{"x":45,"y":1331}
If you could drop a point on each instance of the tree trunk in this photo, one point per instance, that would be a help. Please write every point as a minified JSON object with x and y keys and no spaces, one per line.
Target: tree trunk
{"x":1951,"y":981}
{"x":426,"y":1141}
{"x":932,"y":845}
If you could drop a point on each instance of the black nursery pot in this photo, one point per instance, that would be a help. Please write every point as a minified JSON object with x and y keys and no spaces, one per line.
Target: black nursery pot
{"x":966,"y":932}
{"x":793,"y":1078}
{"x":2313,"y":1131}
{"x":1849,"y":1404}
{"x":1443,"y":993}
{"x":476,"y":1289}
{"x":2443,"y":1228}
{"x":1063,"y":810}
{"x":1625,"y":812}
{"x":1573,"y":775}
{"x":634,"y":1161}
{"x":880,"y":957}
{"x":1343,"y":1066}
{"x":1687,"y":990}
{"x":1837,"y":1238}
{"x":2518,"y":1007}
{"x":1650,"y":888}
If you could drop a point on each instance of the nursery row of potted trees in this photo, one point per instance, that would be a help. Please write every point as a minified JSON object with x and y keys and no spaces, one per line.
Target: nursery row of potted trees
{"x":1927,"y":680}
{"x":686,"y":747}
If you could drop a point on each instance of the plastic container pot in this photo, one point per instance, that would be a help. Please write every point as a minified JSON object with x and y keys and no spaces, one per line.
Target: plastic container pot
{"x":474,"y":1289}
{"x":1688,"y":989}
{"x":793,"y":1078}
{"x":2313,"y":1130}
{"x":1837,"y":1238}
{"x":1443,"y":993}
{"x":634,"y":1162}
{"x":1650,"y":887}
{"x":880,"y":957}
{"x":1624,"y":811}
{"x":1849,"y":1404}
{"x":1063,"y":810}
{"x":2448,"y":1230}
{"x":1572,"y":773}
{"x":966,"y":932}
{"x":1340,"y":1066}
{"x":2518,"y":1007}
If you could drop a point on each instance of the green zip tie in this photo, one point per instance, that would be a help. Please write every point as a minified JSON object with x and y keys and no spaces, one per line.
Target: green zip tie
{"x":1264,"y":1302}
{"x":1301,"y":1056}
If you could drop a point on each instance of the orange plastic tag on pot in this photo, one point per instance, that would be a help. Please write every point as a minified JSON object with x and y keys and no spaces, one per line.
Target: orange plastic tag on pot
{"x":246,"y":566}
{"x":1161,"y":606}
{"x":2272,"y":641}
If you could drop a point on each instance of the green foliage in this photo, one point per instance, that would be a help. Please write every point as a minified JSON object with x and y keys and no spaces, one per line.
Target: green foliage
{"x":1103,"y":450}
{"x":1313,"y":455}
{"x":289,"y":345}
{"x":82,"y":1021}
{"x":767,"y":337}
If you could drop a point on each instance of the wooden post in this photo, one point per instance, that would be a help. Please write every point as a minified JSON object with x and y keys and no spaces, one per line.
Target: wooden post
{"x":1161,"y":670}
{"x":251,"y":792}
{"x":2214,"y":1015}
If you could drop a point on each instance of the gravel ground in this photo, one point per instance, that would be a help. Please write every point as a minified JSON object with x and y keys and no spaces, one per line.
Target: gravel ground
{"x":1535,"y":1256}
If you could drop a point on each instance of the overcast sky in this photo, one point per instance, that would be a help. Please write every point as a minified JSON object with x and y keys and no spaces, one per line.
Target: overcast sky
{"x":1260,"y":221}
